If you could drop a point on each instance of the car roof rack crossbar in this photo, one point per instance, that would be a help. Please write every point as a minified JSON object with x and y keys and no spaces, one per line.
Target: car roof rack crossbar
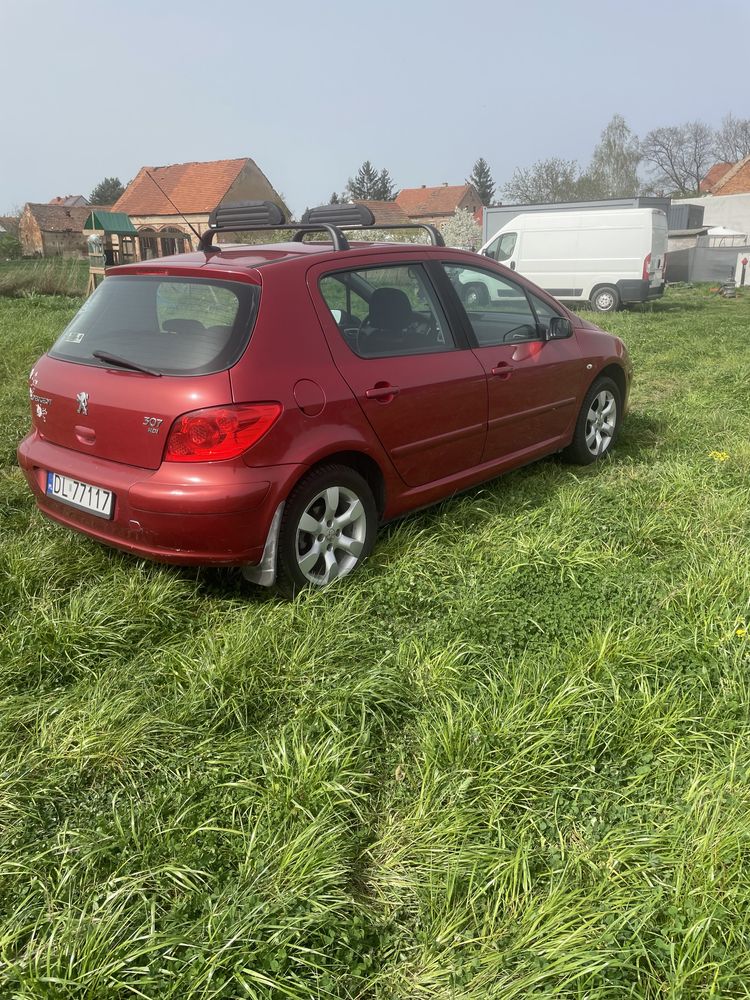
{"x":241,"y":216}
{"x":252,"y":216}
{"x":355,"y":216}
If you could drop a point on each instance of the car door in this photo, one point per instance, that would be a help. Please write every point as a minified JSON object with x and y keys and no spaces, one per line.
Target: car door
{"x":534,"y":384}
{"x":419,"y":384}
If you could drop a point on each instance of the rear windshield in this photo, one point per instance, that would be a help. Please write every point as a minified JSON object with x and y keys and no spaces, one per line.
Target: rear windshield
{"x":176,"y":326}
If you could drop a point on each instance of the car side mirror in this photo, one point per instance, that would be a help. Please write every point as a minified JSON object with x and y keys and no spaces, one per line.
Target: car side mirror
{"x":559,"y":328}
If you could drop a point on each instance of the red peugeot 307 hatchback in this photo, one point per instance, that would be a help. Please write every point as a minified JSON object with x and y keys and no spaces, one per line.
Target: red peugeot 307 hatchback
{"x":268,"y":406}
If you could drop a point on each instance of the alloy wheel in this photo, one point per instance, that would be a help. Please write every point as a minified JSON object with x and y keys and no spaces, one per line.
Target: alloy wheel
{"x":330,"y":535}
{"x":601,"y":421}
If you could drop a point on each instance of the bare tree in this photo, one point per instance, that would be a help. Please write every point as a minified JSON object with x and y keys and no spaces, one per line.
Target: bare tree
{"x":680,"y":156}
{"x":732,"y":140}
{"x":546,"y":181}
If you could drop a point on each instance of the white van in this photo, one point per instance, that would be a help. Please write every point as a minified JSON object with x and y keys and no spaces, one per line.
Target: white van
{"x":606,"y":257}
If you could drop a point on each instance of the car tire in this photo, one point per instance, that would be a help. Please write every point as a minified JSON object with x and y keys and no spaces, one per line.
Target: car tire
{"x":605,"y":299}
{"x":330,"y":514}
{"x":598,"y":423}
{"x":476,"y":294}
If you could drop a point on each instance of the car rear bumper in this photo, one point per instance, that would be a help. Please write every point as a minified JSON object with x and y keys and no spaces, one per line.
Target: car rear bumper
{"x":208,"y":513}
{"x":639,"y":290}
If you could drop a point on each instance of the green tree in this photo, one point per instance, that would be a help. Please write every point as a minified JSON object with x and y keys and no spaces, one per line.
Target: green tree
{"x":386,"y":187}
{"x":10,"y":247}
{"x":613,"y":172}
{"x":334,"y":199}
{"x":369,"y":185}
{"x":482,"y":180}
{"x":107,"y":191}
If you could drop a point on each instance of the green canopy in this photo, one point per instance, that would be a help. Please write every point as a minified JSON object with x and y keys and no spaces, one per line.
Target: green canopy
{"x":110,"y":222}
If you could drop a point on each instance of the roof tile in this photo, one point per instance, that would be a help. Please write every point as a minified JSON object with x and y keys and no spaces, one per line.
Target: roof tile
{"x":193,"y":187}
{"x":385,"y":212}
{"x":714,"y":175}
{"x":736,"y":180}
{"x":443,"y":200}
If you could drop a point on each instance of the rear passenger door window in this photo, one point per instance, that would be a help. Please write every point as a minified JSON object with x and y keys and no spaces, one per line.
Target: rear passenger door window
{"x":387,"y":311}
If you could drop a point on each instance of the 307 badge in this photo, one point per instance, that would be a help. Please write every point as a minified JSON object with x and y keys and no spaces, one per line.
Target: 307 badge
{"x":152,"y":424}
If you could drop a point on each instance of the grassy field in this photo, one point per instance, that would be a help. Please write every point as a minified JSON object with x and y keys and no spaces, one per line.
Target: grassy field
{"x":51,"y":276}
{"x":509,"y":759}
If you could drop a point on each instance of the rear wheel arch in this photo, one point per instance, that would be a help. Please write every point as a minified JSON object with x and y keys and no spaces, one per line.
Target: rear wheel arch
{"x":366,"y":466}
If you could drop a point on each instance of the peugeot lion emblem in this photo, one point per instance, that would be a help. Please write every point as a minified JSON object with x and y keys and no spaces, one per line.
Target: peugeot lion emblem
{"x":83,"y":403}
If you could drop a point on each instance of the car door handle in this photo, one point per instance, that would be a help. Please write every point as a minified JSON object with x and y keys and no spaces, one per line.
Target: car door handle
{"x":382,"y":391}
{"x":503,"y":370}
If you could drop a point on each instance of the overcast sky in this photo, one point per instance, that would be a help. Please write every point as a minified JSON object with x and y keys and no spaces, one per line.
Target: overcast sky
{"x":311,"y":89}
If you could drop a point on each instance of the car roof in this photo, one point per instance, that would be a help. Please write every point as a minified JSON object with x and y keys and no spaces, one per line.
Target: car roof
{"x":243,"y":257}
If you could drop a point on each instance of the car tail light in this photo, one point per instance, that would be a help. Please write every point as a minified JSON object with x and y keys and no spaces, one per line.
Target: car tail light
{"x":219,"y":432}
{"x":646,"y":266}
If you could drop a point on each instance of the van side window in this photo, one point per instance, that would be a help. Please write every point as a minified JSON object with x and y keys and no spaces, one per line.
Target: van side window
{"x":491,"y":249}
{"x":506,"y":246}
{"x":497,"y":309}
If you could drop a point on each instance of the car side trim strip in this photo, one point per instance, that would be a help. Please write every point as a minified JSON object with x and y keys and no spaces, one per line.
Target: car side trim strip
{"x":534,"y":412}
{"x":438,"y":440}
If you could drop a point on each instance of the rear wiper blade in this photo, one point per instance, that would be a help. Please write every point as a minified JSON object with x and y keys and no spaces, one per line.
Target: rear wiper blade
{"x":114,"y":359}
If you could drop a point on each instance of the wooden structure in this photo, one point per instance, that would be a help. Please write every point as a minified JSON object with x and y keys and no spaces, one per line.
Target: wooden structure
{"x":111,"y":239}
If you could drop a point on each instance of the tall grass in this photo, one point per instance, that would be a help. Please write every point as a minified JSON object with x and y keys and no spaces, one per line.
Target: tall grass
{"x":48,"y":276}
{"x":510,"y":758}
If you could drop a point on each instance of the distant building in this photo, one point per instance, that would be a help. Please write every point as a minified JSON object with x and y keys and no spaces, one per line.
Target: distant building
{"x":69,"y":201}
{"x":437,"y":204}
{"x":386,"y":213}
{"x":727,"y":178}
{"x":53,"y":230}
{"x":158,"y":197}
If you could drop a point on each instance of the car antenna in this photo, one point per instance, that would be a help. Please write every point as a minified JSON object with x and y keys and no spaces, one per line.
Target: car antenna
{"x":149,"y":174}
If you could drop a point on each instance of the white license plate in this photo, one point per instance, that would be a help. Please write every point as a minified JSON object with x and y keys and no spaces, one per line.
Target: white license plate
{"x":94,"y":499}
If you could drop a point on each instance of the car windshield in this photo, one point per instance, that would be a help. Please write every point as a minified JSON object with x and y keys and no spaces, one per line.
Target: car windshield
{"x":171,"y":326}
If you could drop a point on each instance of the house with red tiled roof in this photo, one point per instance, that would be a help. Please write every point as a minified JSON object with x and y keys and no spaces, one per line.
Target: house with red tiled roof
{"x":69,"y":201}
{"x":158,"y":197}
{"x":728,"y":178}
{"x":436,"y":204}
{"x":386,"y":213}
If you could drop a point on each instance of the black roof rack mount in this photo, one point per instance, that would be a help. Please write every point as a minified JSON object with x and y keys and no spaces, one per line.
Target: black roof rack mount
{"x":253,"y":216}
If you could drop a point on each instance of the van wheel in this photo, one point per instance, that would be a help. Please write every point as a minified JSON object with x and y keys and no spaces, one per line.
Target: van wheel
{"x":597,"y":425}
{"x":328,"y":528}
{"x":605,"y":299}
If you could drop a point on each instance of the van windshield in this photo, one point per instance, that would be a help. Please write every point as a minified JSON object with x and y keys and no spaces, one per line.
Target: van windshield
{"x":173,"y":326}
